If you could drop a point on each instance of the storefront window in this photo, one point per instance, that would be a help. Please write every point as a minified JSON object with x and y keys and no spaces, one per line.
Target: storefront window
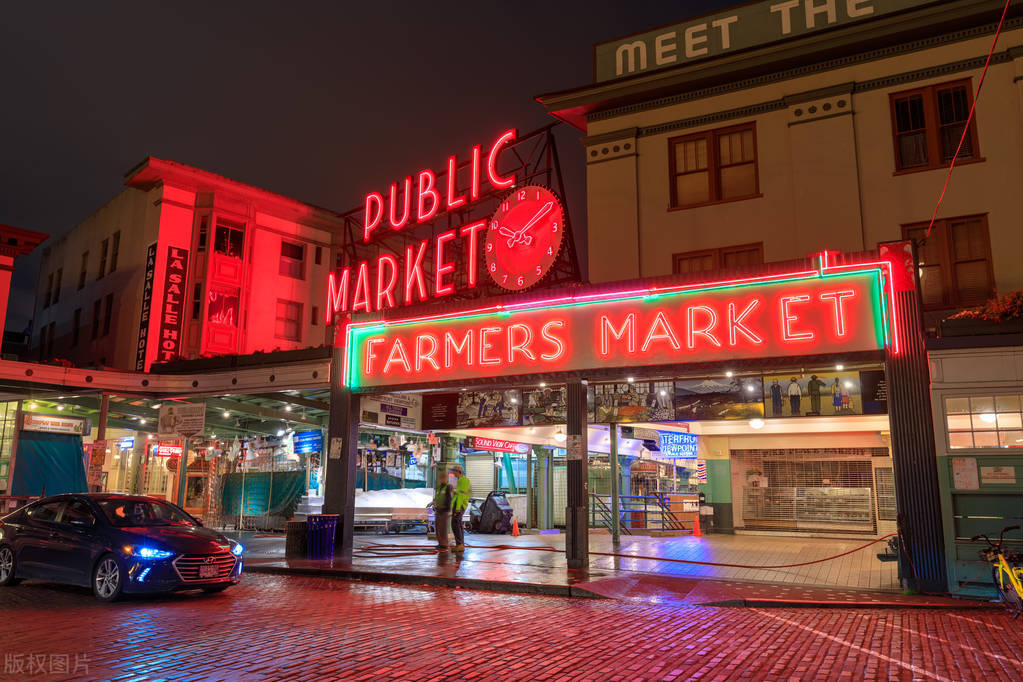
{"x":984,"y":421}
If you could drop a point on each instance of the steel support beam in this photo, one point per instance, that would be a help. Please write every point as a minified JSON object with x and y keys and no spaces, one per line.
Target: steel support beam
{"x":577,"y":517}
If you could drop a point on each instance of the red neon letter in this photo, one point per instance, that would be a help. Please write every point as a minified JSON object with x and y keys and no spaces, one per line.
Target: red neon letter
{"x":485,"y":346}
{"x":735,"y":323}
{"x":514,"y":347}
{"x":426,"y":183}
{"x":463,"y":348}
{"x":337,"y":296}
{"x":370,"y":355}
{"x":666,"y":333}
{"x":629,"y":326}
{"x":397,"y":224}
{"x":397,"y":354}
{"x":471,"y":230}
{"x":361,"y":297}
{"x":414,"y":271}
{"x":439,"y":287}
{"x":712,"y":318}
{"x":788,"y":318}
{"x":426,"y":356}
{"x":373,"y":213}
{"x":474,"y":185}
{"x":837,"y":297}
{"x":496,"y":180}
{"x":454,"y":199}
{"x":558,"y":344}
{"x":386,"y":292}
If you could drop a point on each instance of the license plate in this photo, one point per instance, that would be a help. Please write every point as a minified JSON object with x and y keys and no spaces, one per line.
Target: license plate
{"x":208,"y":571}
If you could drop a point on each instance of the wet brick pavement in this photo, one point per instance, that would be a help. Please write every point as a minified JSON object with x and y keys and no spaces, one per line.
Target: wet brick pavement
{"x":287,"y":627}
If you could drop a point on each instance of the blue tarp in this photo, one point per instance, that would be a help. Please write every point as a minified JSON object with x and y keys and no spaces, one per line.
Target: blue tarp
{"x":48,"y":463}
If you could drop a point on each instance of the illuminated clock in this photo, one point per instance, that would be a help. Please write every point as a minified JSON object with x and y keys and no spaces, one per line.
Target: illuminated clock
{"x":524,"y":236}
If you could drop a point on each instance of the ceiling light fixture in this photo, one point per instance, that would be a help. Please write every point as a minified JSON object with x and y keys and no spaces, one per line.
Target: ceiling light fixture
{"x":287,"y":408}
{"x":988,"y":417}
{"x":756,"y":423}
{"x":839,"y":367}
{"x":226,"y":414}
{"x":142,"y":420}
{"x":60,"y":408}
{"x":560,"y":436}
{"x":631,"y":379}
{"x":32,"y":405}
{"x":729,"y":373}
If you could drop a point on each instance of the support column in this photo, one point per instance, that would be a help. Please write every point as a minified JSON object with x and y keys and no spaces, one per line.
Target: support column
{"x":530,"y":516}
{"x":616,"y":531}
{"x":101,"y":425}
{"x":182,"y":463}
{"x":342,"y":450}
{"x":577,"y":517}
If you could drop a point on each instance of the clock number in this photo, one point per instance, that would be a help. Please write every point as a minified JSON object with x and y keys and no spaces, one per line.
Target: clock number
{"x":554,"y":227}
{"x":520,"y":281}
{"x":538,"y":195}
{"x":550,"y":250}
{"x":493,"y":267}
{"x":504,"y":279}
{"x":538,"y":271}
{"x":504,"y":206}
{"x":490,"y":246}
{"x":494,"y":225}
{"x":522,"y":195}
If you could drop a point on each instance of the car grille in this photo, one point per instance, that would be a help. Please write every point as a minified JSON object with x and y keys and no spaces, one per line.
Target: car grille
{"x":188,"y":565}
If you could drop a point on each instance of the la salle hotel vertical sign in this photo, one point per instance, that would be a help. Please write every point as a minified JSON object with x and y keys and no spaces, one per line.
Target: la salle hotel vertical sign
{"x":169,"y":328}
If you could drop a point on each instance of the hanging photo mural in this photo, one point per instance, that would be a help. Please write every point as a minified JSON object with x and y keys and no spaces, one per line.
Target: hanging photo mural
{"x":638,"y":401}
{"x":813,"y":394}
{"x":720,"y":398}
{"x":544,"y":406}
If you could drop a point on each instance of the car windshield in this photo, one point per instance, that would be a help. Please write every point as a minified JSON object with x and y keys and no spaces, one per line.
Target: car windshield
{"x":143,"y":513}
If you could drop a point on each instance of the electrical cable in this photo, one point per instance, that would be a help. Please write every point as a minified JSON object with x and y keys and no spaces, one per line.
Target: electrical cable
{"x":969,"y":119}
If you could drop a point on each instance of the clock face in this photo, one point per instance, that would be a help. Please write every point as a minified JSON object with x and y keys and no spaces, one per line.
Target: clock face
{"x":524,"y":236}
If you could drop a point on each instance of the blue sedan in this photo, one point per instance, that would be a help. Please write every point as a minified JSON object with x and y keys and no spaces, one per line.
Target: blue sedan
{"x":115,"y":544}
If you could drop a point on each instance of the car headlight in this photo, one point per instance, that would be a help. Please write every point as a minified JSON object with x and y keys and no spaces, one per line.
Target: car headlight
{"x":236,"y":548}
{"x":147,"y":552}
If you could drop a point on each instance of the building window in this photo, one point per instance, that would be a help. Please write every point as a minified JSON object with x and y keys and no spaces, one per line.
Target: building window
{"x":58,"y":280}
{"x":76,"y":329}
{"x":197,"y":300}
{"x":292,"y":260}
{"x":49,"y":291}
{"x":725,"y":258}
{"x":114,"y":249}
{"x":314,"y":316}
{"x":289,"y":320}
{"x":954,"y":262}
{"x":52,"y":327}
{"x":103,"y":249}
{"x":204,"y":228}
{"x":229,"y":240}
{"x":928,"y":123}
{"x":108,"y":313}
{"x":713,"y":166}
{"x":984,"y":421}
{"x":84,"y":271}
{"x":318,"y":255}
{"x":97,"y":308}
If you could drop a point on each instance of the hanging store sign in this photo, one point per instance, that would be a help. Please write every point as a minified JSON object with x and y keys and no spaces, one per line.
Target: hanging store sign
{"x":168,"y":449}
{"x":679,"y":445}
{"x":801,"y":313}
{"x":182,"y":419}
{"x":173,"y":304}
{"x":498,"y":445}
{"x":748,"y":26}
{"x":48,"y":423}
{"x":147,"y":306}
{"x":399,"y":410}
{"x":305,"y":442}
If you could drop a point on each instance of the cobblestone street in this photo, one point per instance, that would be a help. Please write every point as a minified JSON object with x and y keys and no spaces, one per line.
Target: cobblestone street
{"x":277,"y":627}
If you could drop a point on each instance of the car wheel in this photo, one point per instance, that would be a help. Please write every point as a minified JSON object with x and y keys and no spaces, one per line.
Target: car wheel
{"x":7,"y":567}
{"x":107,"y":579}
{"x":211,"y":589}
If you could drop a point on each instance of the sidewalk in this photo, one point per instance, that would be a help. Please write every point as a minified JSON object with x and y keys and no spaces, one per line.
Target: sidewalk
{"x":535,"y":564}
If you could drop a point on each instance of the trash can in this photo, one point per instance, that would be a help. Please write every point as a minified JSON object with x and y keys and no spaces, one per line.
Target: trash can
{"x":295,"y":542}
{"x":320,"y":535}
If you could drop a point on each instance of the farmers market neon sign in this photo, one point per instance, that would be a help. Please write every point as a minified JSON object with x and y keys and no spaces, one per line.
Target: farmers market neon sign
{"x":823,"y":310}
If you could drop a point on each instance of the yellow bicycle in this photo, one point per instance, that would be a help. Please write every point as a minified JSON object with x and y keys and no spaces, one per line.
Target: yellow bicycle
{"x":1006,"y":571}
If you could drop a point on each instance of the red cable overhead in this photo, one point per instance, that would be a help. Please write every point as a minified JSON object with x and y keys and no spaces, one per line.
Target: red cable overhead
{"x":969,"y":119}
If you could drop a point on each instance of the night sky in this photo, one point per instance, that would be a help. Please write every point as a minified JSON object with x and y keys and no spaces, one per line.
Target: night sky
{"x":321,"y":101}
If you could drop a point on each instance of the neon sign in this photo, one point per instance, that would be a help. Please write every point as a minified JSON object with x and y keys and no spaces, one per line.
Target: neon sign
{"x":498,"y":445}
{"x":383,"y":282}
{"x":801,"y":313}
{"x":173,"y":304}
{"x":679,"y":445}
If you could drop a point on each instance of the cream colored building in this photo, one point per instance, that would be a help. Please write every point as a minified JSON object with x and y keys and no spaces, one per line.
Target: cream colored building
{"x":835,"y":138}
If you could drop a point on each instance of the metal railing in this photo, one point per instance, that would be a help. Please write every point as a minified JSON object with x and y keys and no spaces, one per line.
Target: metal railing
{"x":635,"y":513}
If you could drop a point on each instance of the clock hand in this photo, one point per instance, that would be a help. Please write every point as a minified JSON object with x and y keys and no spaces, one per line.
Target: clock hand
{"x":544,"y":210}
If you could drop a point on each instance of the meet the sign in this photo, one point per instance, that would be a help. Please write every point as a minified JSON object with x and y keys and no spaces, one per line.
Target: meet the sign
{"x":173,"y":304}
{"x":746,"y":26}
{"x":796,"y":314}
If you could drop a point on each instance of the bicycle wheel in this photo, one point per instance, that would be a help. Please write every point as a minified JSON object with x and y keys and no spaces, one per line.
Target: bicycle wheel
{"x":1008,"y":594}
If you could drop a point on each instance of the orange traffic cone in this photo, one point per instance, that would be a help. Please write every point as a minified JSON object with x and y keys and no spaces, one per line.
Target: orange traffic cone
{"x":515,"y":528}
{"x":696,"y":527}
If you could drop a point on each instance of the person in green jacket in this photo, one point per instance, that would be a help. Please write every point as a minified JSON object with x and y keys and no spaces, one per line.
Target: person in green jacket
{"x":443,"y":494}
{"x":463,"y":491}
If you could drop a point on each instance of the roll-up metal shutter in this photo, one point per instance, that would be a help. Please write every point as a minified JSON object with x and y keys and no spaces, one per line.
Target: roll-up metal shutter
{"x":480,"y":470}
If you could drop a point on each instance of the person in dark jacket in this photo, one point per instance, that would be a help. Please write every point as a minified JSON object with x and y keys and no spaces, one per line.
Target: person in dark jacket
{"x":443,"y":494}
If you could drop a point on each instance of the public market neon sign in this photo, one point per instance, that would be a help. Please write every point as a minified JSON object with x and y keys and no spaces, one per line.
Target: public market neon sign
{"x":824,"y":310}
{"x":379,"y":284}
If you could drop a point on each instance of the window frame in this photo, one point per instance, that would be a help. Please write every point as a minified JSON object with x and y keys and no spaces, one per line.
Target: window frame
{"x":115,"y":248}
{"x":932,"y":126}
{"x":287,"y":261}
{"x":77,"y":327}
{"x":718,"y":255}
{"x":104,"y":249}
{"x":949,"y":283}
{"x":108,"y":306}
{"x":84,"y":273}
{"x":713,"y":166}
{"x":298,"y":321}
